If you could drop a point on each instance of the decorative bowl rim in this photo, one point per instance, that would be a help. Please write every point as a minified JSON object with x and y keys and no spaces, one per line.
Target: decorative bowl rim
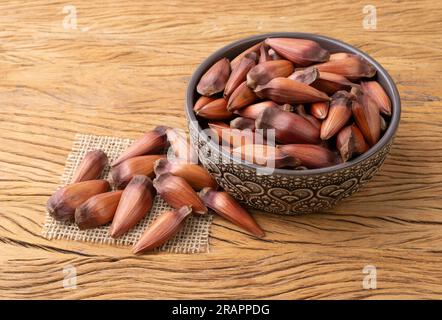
{"x":389,"y":86}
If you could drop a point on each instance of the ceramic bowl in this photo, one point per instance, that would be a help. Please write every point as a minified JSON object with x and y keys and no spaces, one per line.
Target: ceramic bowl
{"x":290,"y":191}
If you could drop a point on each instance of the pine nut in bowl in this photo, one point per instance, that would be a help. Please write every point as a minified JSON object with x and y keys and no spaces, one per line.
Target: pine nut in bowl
{"x":325,"y":111}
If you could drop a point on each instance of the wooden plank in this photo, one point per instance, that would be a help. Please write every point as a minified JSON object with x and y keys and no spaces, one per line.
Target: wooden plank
{"x":125,"y":69}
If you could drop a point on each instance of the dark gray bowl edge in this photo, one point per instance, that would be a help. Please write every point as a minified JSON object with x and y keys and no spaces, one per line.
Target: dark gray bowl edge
{"x":382,"y":76}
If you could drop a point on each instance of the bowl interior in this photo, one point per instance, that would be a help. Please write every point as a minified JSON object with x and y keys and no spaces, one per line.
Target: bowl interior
{"x":232,"y":50}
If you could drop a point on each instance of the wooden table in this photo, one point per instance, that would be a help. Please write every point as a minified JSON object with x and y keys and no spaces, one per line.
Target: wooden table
{"x":124,"y":69}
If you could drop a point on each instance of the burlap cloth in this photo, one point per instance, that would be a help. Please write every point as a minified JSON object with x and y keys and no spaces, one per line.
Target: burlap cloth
{"x":192,"y":238}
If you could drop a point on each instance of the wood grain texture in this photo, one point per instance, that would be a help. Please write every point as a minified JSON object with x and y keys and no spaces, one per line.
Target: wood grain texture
{"x":125,"y":69}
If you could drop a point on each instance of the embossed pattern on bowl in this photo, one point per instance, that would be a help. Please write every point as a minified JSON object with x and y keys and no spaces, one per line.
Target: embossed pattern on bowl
{"x":290,"y":191}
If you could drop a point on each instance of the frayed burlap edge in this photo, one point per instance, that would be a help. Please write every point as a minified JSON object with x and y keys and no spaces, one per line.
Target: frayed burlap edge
{"x":192,"y":238}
